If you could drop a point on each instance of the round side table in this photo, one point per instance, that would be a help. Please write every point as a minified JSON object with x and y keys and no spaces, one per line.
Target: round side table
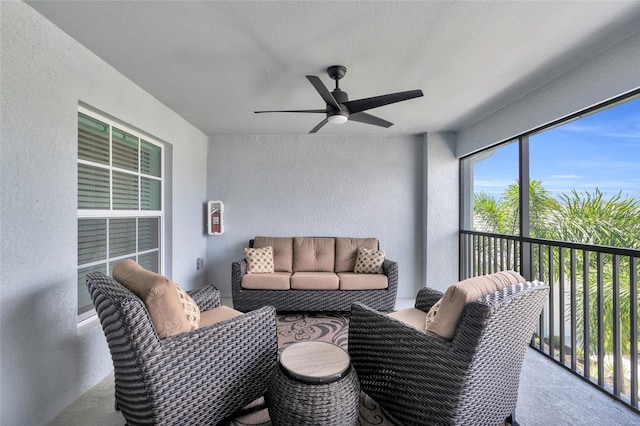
{"x":314,"y":384}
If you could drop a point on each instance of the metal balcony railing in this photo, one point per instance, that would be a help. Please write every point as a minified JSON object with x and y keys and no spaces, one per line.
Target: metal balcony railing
{"x":590,"y":322}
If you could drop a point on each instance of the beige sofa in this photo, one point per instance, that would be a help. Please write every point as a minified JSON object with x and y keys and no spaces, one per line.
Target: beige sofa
{"x":314,"y":274}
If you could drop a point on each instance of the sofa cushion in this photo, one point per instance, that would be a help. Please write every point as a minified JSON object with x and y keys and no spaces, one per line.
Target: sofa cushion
{"x":282,"y":251}
{"x":314,"y":281}
{"x":411,"y":316}
{"x":353,"y":281}
{"x":347,"y":251}
{"x":274,"y":281}
{"x":369,"y":261}
{"x":217,"y":314}
{"x":159,"y":294}
{"x":448,"y":310}
{"x":259,"y":260}
{"x":314,"y":254}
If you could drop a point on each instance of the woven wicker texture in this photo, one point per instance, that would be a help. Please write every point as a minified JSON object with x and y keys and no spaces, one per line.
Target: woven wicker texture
{"x":313,"y":300}
{"x":196,"y":378}
{"x":294,"y":403}
{"x":419,"y":378}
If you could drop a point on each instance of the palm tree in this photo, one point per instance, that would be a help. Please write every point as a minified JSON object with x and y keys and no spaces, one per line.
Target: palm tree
{"x":502,"y":215}
{"x":590,"y":218}
{"x":586,"y":218}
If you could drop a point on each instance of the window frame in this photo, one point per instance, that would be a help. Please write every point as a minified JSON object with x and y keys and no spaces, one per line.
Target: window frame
{"x":466,"y":166}
{"x":111,"y":213}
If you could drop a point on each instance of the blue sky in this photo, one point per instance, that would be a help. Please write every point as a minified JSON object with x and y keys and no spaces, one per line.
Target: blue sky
{"x":601,"y":150}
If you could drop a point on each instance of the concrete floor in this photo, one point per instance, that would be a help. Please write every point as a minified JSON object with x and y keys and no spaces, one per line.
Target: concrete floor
{"x":549,"y":395}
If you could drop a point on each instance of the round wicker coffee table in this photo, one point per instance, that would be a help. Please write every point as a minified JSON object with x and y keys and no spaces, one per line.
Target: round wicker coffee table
{"x":314,"y":384}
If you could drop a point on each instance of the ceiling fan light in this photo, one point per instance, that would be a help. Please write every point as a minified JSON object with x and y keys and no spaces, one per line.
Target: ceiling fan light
{"x":337,"y":119}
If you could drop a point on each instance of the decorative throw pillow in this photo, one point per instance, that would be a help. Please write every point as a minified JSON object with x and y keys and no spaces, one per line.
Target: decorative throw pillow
{"x":433,"y":312}
{"x":259,"y":260}
{"x":159,"y":295}
{"x":190,"y":307}
{"x":369,"y":261}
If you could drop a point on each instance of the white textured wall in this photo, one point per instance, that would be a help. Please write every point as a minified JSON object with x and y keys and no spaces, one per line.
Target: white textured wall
{"x":44,"y":363}
{"x":441,"y":210}
{"x":609,"y":74}
{"x":318,"y":185}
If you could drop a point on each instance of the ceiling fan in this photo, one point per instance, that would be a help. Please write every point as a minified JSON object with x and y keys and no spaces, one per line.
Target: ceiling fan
{"x":340,"y":109}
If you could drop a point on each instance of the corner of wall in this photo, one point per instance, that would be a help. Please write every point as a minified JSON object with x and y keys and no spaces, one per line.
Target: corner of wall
{"x":441,"y":210}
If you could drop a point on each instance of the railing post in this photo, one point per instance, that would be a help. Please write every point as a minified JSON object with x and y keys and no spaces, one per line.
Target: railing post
{"x":525,"y":231}
{"x":618,"y":374}
{"x":633,"y":325}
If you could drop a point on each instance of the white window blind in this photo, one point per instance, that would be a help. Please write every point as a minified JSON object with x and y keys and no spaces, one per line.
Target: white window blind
{"x":119,"y":200}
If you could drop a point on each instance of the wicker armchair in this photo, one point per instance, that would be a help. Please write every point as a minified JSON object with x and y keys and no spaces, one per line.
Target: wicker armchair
{"x":195,"y":378}
{"x":419,"y":378}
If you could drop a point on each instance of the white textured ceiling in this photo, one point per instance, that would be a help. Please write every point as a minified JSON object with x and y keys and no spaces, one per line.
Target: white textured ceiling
{"x":215,"y":62}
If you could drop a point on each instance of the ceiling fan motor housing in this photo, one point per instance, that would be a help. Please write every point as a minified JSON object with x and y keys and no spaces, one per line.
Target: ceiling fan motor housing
{"x":338,"y":116}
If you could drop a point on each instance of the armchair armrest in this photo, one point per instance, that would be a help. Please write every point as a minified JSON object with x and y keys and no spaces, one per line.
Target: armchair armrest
{"x":247,"y":330}
{"x":426,"y":298}
{"x":206,"y":298}
{"x":372,"y":329}
{"x":242,"y":350}
{"x":396,"y":362}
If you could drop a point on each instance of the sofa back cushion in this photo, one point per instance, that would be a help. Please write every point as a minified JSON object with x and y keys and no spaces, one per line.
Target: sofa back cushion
{"x":314,"y":254}
{"x":347,"y":251}
{"x":282,"y":251}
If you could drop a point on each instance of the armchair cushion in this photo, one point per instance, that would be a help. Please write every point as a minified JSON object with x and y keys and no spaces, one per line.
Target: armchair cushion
{"x":442,"y":319}
{"x":411,"y":316}
{"x":161,"y":296}
{"x":259,"y":260}
{"x":218,"y":314}
{"x":369,"y":261}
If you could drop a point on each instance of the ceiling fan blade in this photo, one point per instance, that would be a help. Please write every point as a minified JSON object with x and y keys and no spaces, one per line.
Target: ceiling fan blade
{"x":322,"y":123}
{"x":295,"y":110}
{"x":363,"y":117}
{"x":378,"y":101}
{"x":323,"y":91}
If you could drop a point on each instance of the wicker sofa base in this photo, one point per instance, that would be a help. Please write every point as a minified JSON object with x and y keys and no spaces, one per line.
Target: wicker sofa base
{"x":313,"y":300}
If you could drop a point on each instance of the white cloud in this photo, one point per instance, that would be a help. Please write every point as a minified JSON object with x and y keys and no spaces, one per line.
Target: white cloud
{"x":565,"y":177}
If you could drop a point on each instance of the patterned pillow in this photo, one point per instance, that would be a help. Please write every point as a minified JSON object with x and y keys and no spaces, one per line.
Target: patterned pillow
{"x":433,"y":312}
{"x":259,"y":260}
{"x":190,"y":307}
{"x":369,"y":261}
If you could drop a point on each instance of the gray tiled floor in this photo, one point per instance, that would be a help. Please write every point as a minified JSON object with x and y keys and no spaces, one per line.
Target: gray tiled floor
{"x":549,"y":396}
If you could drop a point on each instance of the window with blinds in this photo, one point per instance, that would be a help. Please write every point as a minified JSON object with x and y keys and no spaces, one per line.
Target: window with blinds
{"x":119,"y":200}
